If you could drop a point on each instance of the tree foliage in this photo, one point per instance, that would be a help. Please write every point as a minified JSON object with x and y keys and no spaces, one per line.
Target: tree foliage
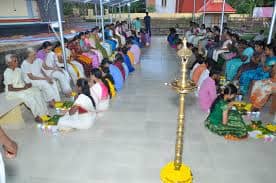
{"x":247,"y":6}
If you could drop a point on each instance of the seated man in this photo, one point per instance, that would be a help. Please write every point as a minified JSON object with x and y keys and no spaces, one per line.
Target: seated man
{"x":32,"y":68}
{"x":16,"y":88}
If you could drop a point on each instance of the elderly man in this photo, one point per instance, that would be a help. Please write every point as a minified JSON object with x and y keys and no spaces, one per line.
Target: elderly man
{"x":32,"y":68}
{"x":15,"y":87}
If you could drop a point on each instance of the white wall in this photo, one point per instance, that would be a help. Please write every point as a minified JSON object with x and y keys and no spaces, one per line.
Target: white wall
{"x":170,"y":8}
{"x":13,"y":8}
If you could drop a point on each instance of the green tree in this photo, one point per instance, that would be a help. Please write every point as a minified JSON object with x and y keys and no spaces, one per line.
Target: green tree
{"x":247,"y":6}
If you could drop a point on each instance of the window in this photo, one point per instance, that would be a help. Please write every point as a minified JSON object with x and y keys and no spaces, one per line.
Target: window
{"x":164,"y":3}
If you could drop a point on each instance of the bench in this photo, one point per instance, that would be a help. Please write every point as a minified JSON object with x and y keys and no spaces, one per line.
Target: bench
{"x":10,"y":113}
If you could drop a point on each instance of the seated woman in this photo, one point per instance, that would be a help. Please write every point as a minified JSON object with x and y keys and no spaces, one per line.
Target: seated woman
{"x":261,"y":73}
{"x":32,"y":68}
{"x":53,"y":68}
{"x":135,"y":50}
{"x":76,"y":52}
{"x":99,"y":91}
{"x":115,"y":73}
{"x":108,"y":38}
{"x":262,"y":89}
{"x":87,"y":51}
{"x":127,"y":60}
{"x":108,"y":81}
{"x":208,"y":91}
{"x":233,"y":65}
{"x":118,"y":62}
{"x":95,"y":37}
{"x":171,"y":36}
{"x":75,"y":69}
{"x":118,"y":32}
{"x":252,"y":65}
{"x":82,"y":114}
{"x":224,"y":121}
{"x":224,"y":47}
{"x":200,"y":68}
{"x":16,"y":88}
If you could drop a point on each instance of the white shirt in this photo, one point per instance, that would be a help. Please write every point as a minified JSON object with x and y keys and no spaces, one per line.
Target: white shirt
{"x":34,"y":68}
{"x":14,"y":78}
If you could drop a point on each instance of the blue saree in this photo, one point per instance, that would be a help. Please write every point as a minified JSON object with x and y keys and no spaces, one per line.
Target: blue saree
{"x":232,"y":66}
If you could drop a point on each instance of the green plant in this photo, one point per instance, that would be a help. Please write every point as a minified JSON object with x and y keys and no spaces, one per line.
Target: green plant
{"x":151,"y":9}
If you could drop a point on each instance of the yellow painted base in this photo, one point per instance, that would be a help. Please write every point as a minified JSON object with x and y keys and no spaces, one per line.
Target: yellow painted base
{"x":13,"y":119}
{"x":170,"y":175}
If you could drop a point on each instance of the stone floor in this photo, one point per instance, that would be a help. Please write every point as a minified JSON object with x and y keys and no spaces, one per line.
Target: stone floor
{"x":135,"y":139}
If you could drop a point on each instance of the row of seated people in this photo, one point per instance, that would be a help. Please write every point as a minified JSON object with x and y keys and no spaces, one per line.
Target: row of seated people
{"x":96,"y":70}
{"x":251,"y":69}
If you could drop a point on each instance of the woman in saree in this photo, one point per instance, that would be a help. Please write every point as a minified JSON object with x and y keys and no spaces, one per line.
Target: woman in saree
{"x":32,"y":69}
{"x":171,"y":36}
{"x":261,"y":73}
{"x":82,"y":114}
{"x":118,"y":62}
{"x":54,"y":69}
{"x":252,"y":65}
{"x":200,"y":68}
{"x":98,"y":90}
{"x":116,"y":37}
{"x":118,"y":31}
{"x":108,"y":81}
{"x":17,"y":88}
{"x":115,"y":73}
{"x":233,"y":65}
{"x":133,"y":48}
{"x":91,"y":44}
{"x":108,"y":38}
{"x":224,"y":121}
{"x":77,"y":55}
{"x":94,"y":36}
{"x":263,"y":89}
{"x":75,"y":69}
{"x":86,"y":50}
{"x":127,"y":60}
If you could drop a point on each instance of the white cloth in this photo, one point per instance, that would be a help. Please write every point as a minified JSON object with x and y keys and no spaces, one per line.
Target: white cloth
{"x":61,"y":76}
{"x":31,"y":97}
{"x":71,"y":70}
{"x":102,"y":103}
{"x":79,"y":121}
{"x":49,"y":91}
{"x":2,"y":170}
{"x":217,"y":52}
{"x":202,"y":77}
{"x":193,"y":70}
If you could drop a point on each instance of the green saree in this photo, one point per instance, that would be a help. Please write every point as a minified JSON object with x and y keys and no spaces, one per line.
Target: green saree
{"x":99,"y":46}
{"x":235,"y":125}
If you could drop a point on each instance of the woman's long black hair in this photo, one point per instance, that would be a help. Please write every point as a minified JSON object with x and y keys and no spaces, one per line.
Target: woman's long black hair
{"x":229,"y":89}
{"x":85,"y":89}
{"x":45,"y":45}
{"x":108,"y":76}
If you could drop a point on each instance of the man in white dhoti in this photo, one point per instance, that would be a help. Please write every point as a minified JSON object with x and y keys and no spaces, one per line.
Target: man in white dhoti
{"x":10,"y":150}
{"x":16,"y":88}
{"x":32,"y":68}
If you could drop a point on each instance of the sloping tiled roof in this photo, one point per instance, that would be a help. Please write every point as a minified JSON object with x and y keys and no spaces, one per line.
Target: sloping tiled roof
{"x":216,"y":7}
